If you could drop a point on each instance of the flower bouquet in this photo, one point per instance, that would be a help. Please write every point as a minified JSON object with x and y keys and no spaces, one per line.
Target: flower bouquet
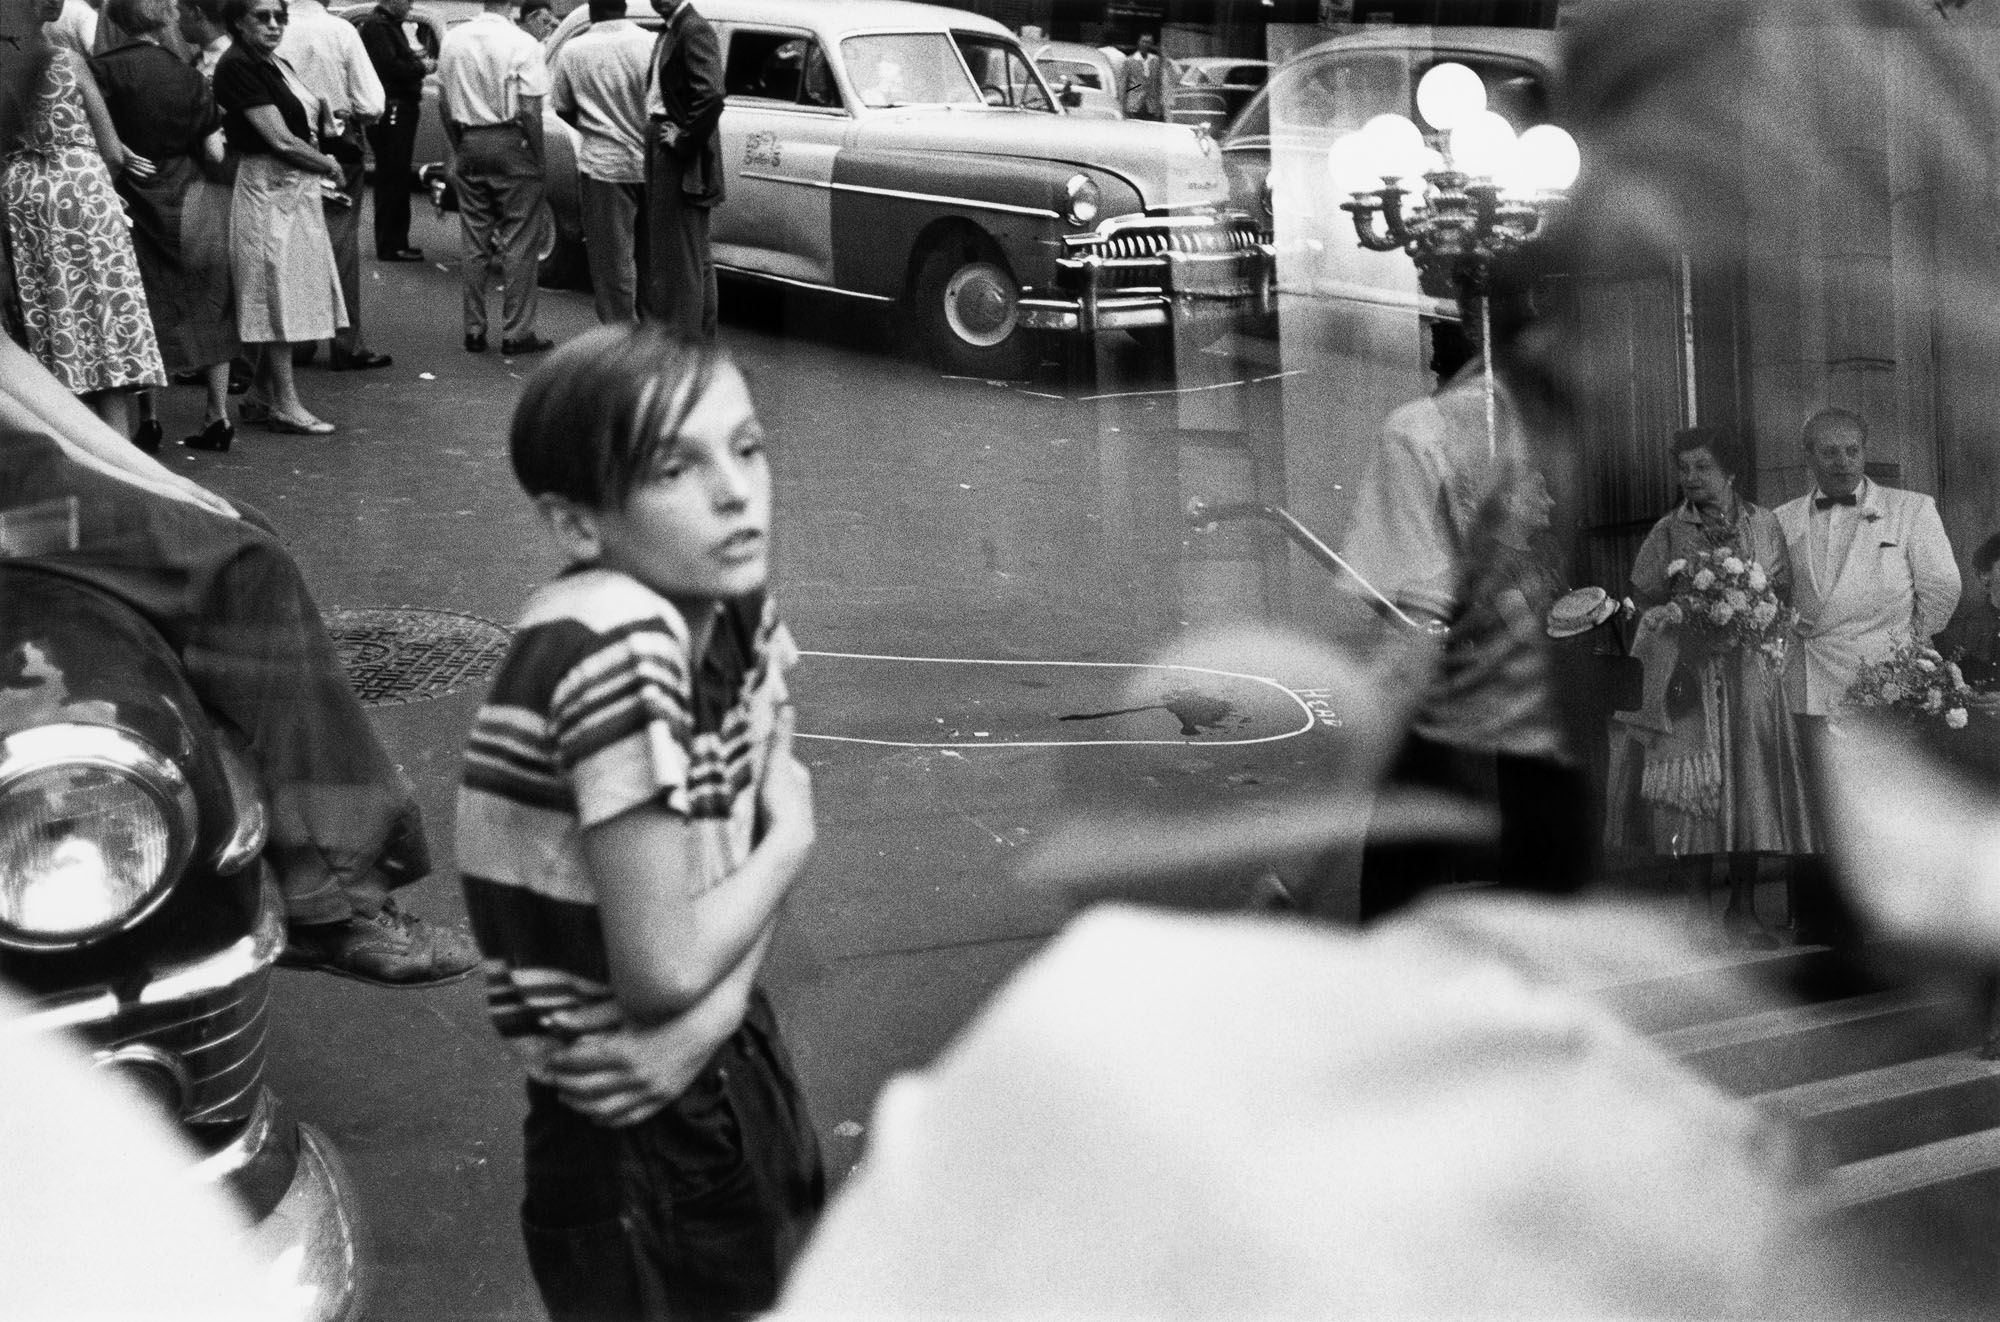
{"x":1913,"y":682}
{"x":1728,"y":603}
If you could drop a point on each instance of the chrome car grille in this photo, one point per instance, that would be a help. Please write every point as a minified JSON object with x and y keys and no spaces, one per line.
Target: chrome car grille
{"x":217,"y":1036}
{"x":1127,"y":244}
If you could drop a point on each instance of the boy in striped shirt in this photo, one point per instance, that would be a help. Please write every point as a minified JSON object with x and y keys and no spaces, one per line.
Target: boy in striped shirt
{"x":631,"y":819}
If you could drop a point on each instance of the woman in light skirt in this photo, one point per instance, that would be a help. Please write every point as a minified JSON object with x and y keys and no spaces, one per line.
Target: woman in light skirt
{"x":287,"y":286}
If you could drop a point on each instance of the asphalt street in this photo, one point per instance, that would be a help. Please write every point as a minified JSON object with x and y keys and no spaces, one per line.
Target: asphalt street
{"x":989,"y":579}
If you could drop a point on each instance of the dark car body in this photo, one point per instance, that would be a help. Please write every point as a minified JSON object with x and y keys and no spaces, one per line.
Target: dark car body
{"x":101,"y":742}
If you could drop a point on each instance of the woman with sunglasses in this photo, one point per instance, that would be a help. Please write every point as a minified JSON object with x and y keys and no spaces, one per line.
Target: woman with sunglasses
{"x":287,"y":286}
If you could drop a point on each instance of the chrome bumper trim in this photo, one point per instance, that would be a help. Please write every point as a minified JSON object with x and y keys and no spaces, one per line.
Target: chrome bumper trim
{"x":234,"y":1155}
{"x":212,"y":972}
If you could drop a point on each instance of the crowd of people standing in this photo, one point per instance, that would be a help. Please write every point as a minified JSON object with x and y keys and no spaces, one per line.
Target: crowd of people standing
{"x":182,"y":188}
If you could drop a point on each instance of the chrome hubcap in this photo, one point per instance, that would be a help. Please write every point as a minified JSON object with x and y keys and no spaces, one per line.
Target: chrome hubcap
{"x":981,"y":304}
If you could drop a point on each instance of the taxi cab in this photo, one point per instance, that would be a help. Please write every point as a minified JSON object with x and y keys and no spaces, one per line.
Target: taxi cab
{"x":902,"y":153}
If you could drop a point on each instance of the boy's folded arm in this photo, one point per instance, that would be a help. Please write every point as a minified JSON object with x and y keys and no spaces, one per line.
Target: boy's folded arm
{"x":667,"y":947}
{"x":622,"y":1077}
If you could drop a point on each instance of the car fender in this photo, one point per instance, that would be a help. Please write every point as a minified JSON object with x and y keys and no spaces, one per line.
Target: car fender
{"x":886,"y":204}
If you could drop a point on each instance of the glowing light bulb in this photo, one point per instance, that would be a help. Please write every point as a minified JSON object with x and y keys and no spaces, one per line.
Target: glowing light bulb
{"x":1449,"y":95}
{"x":1348,"y":163}
{"x":1395,"y":146}
{"x":1547,"y":160}
{"x":1484,"y":146}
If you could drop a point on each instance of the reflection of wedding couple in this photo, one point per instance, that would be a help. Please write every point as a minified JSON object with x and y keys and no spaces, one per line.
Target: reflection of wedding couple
{"x":1716,"y":761}
{"x":1719,"y":758}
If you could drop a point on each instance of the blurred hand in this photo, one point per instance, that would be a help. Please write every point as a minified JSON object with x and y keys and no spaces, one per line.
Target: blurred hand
{"x":139,"y":167}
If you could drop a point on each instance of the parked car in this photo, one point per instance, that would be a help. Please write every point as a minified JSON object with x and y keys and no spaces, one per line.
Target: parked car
{"x":910,"y":154}
{"x":136,"y":911}
{"x":1209,"y":90}
{"x":1085,"y":77}
{"x":1276,"y":150}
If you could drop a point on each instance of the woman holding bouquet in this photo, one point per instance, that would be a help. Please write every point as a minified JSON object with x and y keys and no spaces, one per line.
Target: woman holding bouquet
{"x":1708,"y":765}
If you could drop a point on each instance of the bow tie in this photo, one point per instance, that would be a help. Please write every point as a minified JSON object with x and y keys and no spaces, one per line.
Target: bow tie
{"x":1828,"y":502}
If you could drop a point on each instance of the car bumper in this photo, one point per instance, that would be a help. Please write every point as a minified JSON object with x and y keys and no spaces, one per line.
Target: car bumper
{"x":1139,"y":279}
{"x":310,"y":1241}
{"x":190,"y":1037}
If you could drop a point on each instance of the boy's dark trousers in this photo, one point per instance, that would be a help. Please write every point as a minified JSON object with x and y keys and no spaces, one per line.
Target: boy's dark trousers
{"x":694,"y":1213}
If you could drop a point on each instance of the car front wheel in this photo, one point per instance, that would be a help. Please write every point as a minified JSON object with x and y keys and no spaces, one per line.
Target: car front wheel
{"x":969,"y":310}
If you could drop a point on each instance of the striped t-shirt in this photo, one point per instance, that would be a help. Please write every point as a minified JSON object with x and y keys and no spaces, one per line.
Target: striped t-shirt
{"x":595,"y":713}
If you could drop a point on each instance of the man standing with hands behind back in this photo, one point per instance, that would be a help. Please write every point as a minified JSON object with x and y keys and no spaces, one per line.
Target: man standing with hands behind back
{"x":1871,"y":567}
{"x":491,"y":81}
{"x":394,"y":136}
{"x":683,"y":171}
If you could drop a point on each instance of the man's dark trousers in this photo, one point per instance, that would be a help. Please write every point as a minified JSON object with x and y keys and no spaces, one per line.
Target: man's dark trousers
{"x":393,"y":138}
{"x":343,"y":230}
{"x":679,"y":277}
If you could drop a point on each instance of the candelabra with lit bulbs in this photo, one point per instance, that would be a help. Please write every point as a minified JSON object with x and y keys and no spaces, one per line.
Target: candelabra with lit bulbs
{"x":1459,"y":197}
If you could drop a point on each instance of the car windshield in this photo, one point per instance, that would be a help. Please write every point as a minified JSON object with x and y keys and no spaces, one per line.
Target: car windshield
{"x":1003,"y":73}
{"x":908,"y":68}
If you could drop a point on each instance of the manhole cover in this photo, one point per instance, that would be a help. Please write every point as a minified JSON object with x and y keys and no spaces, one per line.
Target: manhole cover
{"x":406,"y":655}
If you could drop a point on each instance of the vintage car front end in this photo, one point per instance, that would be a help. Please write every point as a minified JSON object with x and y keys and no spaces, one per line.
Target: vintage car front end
{"x":1020,"y":225}
{"x":1141,"y":271}
{"x":137,"y":917}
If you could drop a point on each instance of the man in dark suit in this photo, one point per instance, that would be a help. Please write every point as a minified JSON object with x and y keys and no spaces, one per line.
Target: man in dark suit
{"x":683,"y":171}
{"x":394,"y":136}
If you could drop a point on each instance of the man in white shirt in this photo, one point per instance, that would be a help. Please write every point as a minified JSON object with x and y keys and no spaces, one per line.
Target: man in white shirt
{"x":1871,"y":567}
{"x":327,"y":54}
{"x":491,"y":82}
{"x":599,"y":86}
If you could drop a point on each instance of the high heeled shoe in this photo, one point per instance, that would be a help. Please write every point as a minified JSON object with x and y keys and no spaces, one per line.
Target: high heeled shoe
{"x":291,"y":426}
{"x":217,"y":436}
{"x":148,"y":435}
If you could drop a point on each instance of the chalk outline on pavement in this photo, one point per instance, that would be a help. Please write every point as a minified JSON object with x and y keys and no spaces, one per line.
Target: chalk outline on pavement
{"x":1311,"y":717}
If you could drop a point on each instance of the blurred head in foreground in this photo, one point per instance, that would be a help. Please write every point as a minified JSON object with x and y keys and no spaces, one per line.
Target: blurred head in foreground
{"x":1179,"y":1117}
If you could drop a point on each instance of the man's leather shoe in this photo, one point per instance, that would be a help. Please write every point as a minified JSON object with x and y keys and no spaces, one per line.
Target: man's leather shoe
{"x":359,"y":362}
{"x":529,"y":344}
{"x":475,"y":344}
{"x":401,"y":255}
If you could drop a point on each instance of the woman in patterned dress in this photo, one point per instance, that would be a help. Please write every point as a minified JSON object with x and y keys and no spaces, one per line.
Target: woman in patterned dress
{"x":77,"y":279}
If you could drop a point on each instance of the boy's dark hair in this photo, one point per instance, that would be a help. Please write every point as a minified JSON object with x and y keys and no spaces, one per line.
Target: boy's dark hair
{"x":596,"y":413}
{"x":603,"y":11}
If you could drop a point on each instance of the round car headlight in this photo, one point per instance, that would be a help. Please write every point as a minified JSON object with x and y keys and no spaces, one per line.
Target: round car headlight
{"x":1083,"y":199}
{"x":94,"y":828}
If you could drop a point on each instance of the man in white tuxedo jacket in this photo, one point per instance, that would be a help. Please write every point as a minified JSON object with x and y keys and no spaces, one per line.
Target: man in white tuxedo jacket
{"x":1871,"y":567}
